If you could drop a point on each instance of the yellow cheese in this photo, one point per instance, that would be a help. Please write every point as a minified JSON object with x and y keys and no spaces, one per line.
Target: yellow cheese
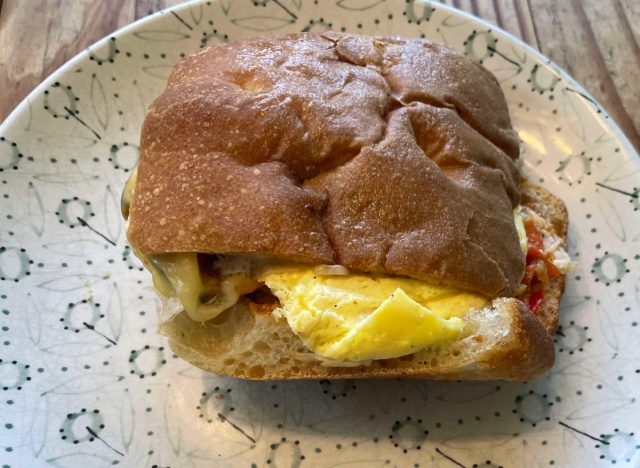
{"x":202,"y":297}
{"x":127,"y":194}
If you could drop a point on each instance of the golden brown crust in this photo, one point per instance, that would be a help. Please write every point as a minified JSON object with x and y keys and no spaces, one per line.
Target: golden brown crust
{"x":386,"y":210}
{"x":525,"y":351}
{"x":257,"y":146}
{"x":549,"y":311}
{"x":229,"y":206}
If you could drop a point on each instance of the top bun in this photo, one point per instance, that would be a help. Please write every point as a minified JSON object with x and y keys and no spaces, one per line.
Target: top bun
{"x":382,"y":154}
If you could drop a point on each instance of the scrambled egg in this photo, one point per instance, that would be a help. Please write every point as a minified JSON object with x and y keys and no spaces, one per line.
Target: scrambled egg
{"x":359,"y":316}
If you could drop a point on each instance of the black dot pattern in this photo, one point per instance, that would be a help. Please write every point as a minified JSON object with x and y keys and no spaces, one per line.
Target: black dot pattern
{"x":82,"y":370}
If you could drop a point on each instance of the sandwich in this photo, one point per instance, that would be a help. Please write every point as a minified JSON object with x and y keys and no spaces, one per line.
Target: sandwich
{"x":339,"y":206}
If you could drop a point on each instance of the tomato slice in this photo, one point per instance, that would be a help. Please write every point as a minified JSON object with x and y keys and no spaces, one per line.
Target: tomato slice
{"x":535,"y":300}
{"x":533,"y":254}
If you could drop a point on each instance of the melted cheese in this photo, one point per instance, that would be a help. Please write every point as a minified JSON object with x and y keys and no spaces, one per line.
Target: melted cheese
{"x":127,"y":194}
{"x":178,"y":275}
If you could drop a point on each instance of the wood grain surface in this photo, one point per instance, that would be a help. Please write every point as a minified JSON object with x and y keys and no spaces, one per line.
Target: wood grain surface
{"x":596,"y":41}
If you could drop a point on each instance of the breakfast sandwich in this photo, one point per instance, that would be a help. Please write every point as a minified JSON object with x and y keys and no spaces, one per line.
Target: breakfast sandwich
{"x":333,"y":205}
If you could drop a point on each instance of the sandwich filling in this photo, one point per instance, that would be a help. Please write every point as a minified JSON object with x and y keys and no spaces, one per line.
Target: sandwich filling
{"x":546,"y":258}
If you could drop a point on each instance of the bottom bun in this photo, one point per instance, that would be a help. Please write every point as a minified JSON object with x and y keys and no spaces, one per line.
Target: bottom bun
{"x":502,"y":341}
{"x":505,"y":341}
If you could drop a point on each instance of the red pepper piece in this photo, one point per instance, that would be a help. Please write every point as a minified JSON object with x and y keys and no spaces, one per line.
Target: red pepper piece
{"x":535,"y":300}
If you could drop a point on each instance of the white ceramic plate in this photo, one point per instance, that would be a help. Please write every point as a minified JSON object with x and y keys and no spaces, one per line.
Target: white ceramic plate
{"x":85,"y":380}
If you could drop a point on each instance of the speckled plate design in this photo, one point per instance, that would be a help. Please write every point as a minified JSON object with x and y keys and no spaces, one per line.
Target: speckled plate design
{"x":86,"y":381}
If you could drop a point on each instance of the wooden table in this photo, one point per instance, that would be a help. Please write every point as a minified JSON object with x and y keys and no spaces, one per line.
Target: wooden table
{"x":596,"y":41}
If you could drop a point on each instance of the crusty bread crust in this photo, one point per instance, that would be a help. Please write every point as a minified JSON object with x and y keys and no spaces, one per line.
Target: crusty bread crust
{"x":523,"y":351}
{"x":504,"y":341}
{"x":314,"y":147}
